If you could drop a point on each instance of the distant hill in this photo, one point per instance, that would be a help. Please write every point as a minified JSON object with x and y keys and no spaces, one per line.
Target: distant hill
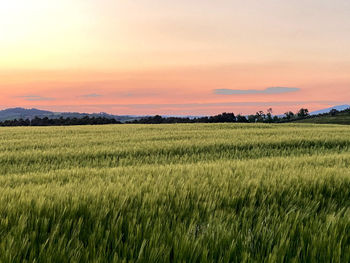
{"x":327,"y":110}
{"x":21,"y":113}
{"x":341,"y":117}
{"x":17,"y":113}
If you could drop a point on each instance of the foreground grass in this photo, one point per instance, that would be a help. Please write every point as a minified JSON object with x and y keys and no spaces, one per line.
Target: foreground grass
{"x":175,"y":193}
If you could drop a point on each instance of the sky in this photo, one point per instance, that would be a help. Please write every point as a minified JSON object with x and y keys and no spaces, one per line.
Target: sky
{"x":184,"y":57}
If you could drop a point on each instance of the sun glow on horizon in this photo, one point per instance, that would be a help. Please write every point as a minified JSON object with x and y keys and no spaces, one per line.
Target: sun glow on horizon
{"x":161,"y":51}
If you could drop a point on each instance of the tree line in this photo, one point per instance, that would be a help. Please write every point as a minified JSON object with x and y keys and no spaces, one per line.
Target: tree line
{"x":258,"y":117}
{"x":60,"y":121}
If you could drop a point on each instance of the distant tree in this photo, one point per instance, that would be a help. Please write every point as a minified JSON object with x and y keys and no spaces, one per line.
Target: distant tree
{"x":36,"y":122}
{"x":303,"y":113}
{"x":252,"y":118}
{"x":260,"y":116}
{"x":333,"y":112}
{"x":224,"y":117}
{"x":157,"y":119}
{"x":289,"y":115}
{"x":241,"y":118}
{"x":201,"y":120}
{"x":269,"y":118}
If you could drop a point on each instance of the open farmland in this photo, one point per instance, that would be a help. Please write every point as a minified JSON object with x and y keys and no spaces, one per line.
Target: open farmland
{"x":340,"y":118}
{"x":180,"y":193}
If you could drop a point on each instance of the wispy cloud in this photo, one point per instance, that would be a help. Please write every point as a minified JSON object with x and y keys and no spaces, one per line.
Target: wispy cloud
{"x":35,"y":98}
{"x":92,"y":95}
{"x":270,"y":90}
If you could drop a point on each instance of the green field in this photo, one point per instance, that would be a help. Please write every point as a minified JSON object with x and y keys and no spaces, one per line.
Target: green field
{"x":175,"y":193}
{"x":339,"y":118}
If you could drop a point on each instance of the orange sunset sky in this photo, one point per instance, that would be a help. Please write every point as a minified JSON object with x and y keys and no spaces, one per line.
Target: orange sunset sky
{"x":174,"y":57}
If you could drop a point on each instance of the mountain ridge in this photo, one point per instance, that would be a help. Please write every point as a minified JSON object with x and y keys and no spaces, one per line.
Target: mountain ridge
{"x":22,"y":113}
{"x":327,"y":110}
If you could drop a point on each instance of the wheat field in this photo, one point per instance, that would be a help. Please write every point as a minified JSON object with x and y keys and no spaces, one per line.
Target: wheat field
{"x":175,"y":193}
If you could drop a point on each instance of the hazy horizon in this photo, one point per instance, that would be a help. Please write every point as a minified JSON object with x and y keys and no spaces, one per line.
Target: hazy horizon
{"x":316,"y":111}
